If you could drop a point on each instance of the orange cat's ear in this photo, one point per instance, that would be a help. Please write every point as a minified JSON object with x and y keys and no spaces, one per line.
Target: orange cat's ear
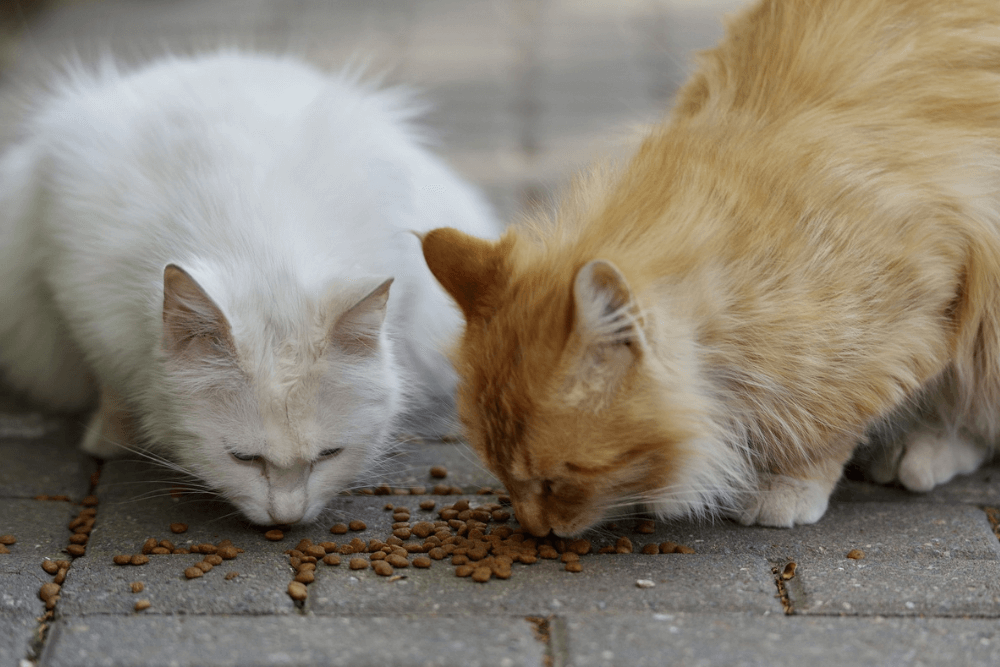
{"x":607,"y":325}
{"x":192,"y":323}
{"x":357,"y":330}
{"x":468,"y":268}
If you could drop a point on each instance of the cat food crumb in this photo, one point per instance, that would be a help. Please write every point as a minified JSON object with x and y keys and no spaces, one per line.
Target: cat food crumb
{"x":338,"y":528}
{"x":227,"y":553}
{"x":60,"y":575}
{"x":397,"y":560}
{"x":274,"y":535}
{"x":439,"y":472}
{"x":388,"y":506}
{"x":646,"y":527}
{"x":8,"y":540}
{"x":441,"y":490}
{"x":427,"y":505}
{"x":137,"y":586}
{"x":623,"y":545}
{"x":382,"y":568}
{"x":418,"y":490}
{"x":422,"y":562}
{"x":464,"y":570}
{"x":122,"y":559}
{"x":48,"y":590}
{"x":204,"y":567}
{"x":50,"y":566}
{"x":139,"y":559}
{"x":681,"y":549}
{"x":89,"y":501}
{"x":649,"y":549}
{"x":160,"y":551}
{"x":297,"y":591}
{"x":231,"y":575}
{"x":193,"y":572}
{"x":855,"y":554}
{"x":481,"y":574}
{"x":357,"y":525}
{"x":668,"y":547}
{"x":141,"y":605}
{"x":789,"y":571}
{"x":331,"y":559}
{"x":149,"y":545}
{"x":569,"y":557}
{"x":76,"y":550}
{"x":308,"y":576}
{"x":213,"y":559}
{"x":358,"y":564}
{"x":574,"y":566}
{"x":644,"y":583}
{"x":178,"y":528}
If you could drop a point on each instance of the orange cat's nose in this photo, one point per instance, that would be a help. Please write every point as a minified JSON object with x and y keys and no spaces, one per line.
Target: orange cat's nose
{"x":533,"y":523}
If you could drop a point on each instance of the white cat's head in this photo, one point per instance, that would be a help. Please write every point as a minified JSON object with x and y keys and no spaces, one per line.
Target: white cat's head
{"x":277,"y":408}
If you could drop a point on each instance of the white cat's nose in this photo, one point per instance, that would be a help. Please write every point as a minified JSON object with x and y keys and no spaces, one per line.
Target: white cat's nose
{"x":286,"y":515}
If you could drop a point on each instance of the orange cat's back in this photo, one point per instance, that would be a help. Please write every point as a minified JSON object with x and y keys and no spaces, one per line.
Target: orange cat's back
{"x":810,"y":241}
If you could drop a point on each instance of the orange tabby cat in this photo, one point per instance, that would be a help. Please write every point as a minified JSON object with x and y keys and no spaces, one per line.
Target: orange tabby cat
{"x":807,"y":248}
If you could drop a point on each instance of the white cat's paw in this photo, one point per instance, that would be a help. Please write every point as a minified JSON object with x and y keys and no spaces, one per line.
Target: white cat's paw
{"x":96,"y":441}
{"x":783,"y":502}
{"x":933,"y":458}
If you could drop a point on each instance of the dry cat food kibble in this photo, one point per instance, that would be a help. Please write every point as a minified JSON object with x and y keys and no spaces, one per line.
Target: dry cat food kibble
{"x":89,"y":501}
{"x":575,"y":566}
{"x":422,"y":562}
{"x":439,"y":472}
{"x":331,"y":559}
{"x":231,"y":575}
{"x":193,"y":572}
{"x":789,"y":571}
{"x":358,"y":564}
{"x":274,"y":535}
{"x":48,"y":590}
{"x":122,"y":560}
{"x":137,"y":586}
{"x":76,"y":550}
{"x":139,"y":559}
{"x":297,"y":591}
{"x":178,"y":528}
{"x":855,"y":554}
{"x":427,"y":505}
{"x":338,"y":528}
{"x":8,"y":539}
{"x":382,"y":568}
{"x":50,"y":566}
{"x":357,"y":525}
{"x":142,"y":605}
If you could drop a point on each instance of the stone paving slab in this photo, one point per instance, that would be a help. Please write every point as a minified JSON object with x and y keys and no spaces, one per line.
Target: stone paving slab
{"x":607,"y":583}
{"x":887,"y":531}
{"x":40,"y":529}
{"x":896,"y":588}
{"x":17,"y":632}
{"x":41,"y":457}
{"x":399,"y":641}
{"x":981,"y":487}
{"x":745,"y":640}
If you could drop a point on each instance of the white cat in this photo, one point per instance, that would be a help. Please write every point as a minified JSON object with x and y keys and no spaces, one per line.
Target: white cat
{"x":219,"y":248}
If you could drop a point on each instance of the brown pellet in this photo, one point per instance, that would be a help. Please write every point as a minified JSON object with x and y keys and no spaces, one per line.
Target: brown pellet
{"x":274,"y":535}
{"x":358,"y":564}
{"x":50,"y":566}
{"x":668,"y":547}
{"x":789,"y":571}
{"x":141,"y":605}
{"x":382,"y":568}
{"x":646,"y":527}
{"x":569,"y":557}
{"x":181,"y":551}
{"x":78,"y":538}
{"x":207,"y":548}
{"x":357,"y":525}
{"x":309,"y":576}
{"x":306,"y":567}
{"x":481,"y":574}
{"x":500,"y":515}
{"x":315,"y":551}
{"x":338,"y":528}
{"x":297,"y":591}
{"x":160,"y":551}
{"x":122,"y":559}
{"x":89,"y":501}
{"x":422,"y":562}
{"x":650,"y":549}
{"x":63,"y":564}
{"x":149,"y":545}
{"x":331,"y":559}
{"x":464,"y":570}
{"x":231,"y":575}
{"x":139,"y":559}
{"x":437,"y":553}
{"x":48,"y":590}
{"x":855,"y":554}
{"x":178,"y":528}
{"x":204,"y":567}
{"x":60,"y":575}
{"x":377,"y":555}
{"x":402,"y":533}
{"x":304,"y":544}
{"x":441,"y":490}
{"x":575,"y":566}
{"x":213,"y":559}
{"x":167,"y":544}
{"x":193,"y":572}
{"x":137,"y":586}
{"x":397,"y":561}
{"x":681,"y":549}
{"x":623,"y":545}
{"x":439,"y":472}
{"x":227,"y":553}
{"x":427,"y":505}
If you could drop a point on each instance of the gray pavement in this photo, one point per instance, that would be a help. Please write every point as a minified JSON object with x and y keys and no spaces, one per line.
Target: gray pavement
{"x":524,"y":92}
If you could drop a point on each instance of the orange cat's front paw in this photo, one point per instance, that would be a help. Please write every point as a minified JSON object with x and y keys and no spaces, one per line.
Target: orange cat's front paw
{"x":783,"y":502}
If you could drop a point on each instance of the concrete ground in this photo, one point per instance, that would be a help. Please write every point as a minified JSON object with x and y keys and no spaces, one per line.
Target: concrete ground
{"x":524,"y":92}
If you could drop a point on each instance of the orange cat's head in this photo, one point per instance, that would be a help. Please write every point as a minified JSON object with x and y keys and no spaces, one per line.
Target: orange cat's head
{"x":560,"y":392}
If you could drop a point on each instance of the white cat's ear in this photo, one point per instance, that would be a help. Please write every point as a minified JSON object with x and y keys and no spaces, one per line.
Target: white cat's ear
{"x":607,"y":324}
{"x":356,"y":331}
{"x":193,"y":325}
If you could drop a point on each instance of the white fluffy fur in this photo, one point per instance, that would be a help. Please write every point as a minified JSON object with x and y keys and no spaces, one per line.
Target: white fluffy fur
{"x":287,"y":195}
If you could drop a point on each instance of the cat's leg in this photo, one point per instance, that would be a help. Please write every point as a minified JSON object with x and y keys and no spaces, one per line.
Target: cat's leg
{"x":790,"y":498}
{"x":110,"y":430}
{"x":933,"y":456}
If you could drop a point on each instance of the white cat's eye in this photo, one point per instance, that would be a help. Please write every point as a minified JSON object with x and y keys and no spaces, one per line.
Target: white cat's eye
{"x":330,"y":453}
{"x":244,"y":458}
